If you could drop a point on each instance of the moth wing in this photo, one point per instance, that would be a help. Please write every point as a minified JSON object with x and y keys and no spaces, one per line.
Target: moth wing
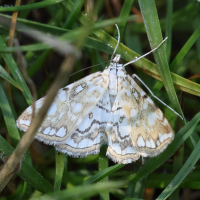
{"x":149,"y":129}
{"x":120,"y":146}
{"x":69,"y":108}
{"x":91,"y":133}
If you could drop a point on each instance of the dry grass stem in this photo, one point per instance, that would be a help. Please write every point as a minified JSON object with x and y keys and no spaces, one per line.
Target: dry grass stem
{"x":11,"y":39}
{"x":23,"y":65}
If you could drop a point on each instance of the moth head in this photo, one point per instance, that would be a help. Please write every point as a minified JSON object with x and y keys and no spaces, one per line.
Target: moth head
{"x":116,"y":58}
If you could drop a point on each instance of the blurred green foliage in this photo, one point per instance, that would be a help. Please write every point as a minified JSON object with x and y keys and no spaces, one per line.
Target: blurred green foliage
{"x":48,"y":175}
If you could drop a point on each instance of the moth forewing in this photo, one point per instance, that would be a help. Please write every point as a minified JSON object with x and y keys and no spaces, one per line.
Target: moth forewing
{"x":68,"y":109}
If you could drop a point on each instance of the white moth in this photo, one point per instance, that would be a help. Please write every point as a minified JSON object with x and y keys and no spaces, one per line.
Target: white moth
{"x":104,"y":107}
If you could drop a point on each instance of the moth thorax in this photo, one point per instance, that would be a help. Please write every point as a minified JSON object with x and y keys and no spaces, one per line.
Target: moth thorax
{"x":113,"y":82}
{"x":117,"y":58}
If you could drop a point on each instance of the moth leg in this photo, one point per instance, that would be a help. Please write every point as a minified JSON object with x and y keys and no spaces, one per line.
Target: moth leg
{"x":138,"y":78}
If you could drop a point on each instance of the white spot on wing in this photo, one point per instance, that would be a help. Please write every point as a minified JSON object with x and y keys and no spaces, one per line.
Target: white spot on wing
{"x":152,"y":143}
{"x":134,"y":112}
{"x":151,"y":119}
{"x":26,"y":122}
{"x":77,"y":107}
{"x":62,"y":96}
{"x":170,"y":135}
{"x":142,"y":93}
{"x":161,"y":137}
{"x":145,"y":105}
{"x":165,"y":121}
{"x":149,"y":100}
{"x":73,"y":117}
{"x":53,"y":109}
{"x":52,"y":132}
{"x":165,"y":136}
{"x":136,"y":95}
{"x":47,"y":130}
{"x":61,"y":132}
{"x":29,"y":109}
{"x":148,"y":144}
{"x":79,"y":88}
{"x":140,"y":141}
{"x":128,"y":93}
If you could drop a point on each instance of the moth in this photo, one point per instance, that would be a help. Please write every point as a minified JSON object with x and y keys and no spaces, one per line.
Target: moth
{"x":105,"y":107}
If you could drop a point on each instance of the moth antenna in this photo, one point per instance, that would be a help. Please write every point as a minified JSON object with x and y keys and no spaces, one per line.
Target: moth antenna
{"x":135,"y":76}
{"x":89,"y":67}
{"x":117,"y":43}
{"x":107,"y":60}
{"x":132,"y":61}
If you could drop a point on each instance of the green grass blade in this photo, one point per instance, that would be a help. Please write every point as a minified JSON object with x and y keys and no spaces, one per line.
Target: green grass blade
{"x":74,"y":13}
{"x":185,"y":170}
{"x":16,"y":73}
{"x":32,"y":6}
{"x":125,"y":11}
{"x":90,"y":42}
{"x":81,"y":192}
{"x":25,"y":13}
{"x":168,"y":31}
{"x":140,"y":188}
{"x":195,"y":27}
{"x":192,"y":181}
{"x":136,"y":189}
{"x":177,"y":164}
{"x":178,"y":157}
{"x":4,"y":74}
{"x":180,"y":18}
{"x":151,"y":21}
{"x":102,"y":174}
{"x":133,"y":199}
{"x":155,"y":162}
{"x":38,"y":63}
{"x":24,"y":48}
{"x":54,"y":30}
{"x":182,"y":53}
{"x":27,"y":173}
{"x":8,"y":116}
{"x":59,"y":171}
{"x":103,"y":165}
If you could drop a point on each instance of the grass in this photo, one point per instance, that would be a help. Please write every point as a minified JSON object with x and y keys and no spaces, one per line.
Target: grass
{"x":89,"y":27}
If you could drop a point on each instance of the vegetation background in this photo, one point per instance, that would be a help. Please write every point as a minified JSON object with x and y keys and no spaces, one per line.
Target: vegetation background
{"x":89,"y":25}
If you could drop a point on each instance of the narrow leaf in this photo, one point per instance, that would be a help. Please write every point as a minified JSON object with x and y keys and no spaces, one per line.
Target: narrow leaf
{"x":4,"y":74}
